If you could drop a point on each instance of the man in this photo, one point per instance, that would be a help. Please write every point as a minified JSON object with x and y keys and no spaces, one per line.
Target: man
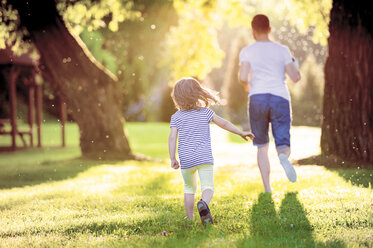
{"x":263,"y":65}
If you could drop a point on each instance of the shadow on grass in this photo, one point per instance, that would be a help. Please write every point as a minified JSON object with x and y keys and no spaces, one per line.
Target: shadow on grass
{"x":152,"y":223}
{"x":36,"y":166}
{"x":144,"y":231}
{"x":289,"y":228}
{"x":158,"y":185}
{"x":356,"y":173}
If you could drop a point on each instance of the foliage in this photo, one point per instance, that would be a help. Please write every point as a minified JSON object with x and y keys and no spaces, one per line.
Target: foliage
{"x":94,"y":41}
{"x":300,"y":45}
{"x":309,"y":13}
{"x":96,"y":14}
{"x":51,"y":198}
{"x":138,"y":48}
{"x":307,"y":95}
{"x":147,"y":53}
{"x":11,"y":34}
{"x":192,"y":46}
{"x":133,"y":52}
{"x":8,"y":25}
{"x":197,"y":54}
{"x":88,"y":14}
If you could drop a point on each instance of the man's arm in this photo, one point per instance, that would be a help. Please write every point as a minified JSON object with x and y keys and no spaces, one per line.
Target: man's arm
{"x":243,"y":74}
{"x":292,"y":72}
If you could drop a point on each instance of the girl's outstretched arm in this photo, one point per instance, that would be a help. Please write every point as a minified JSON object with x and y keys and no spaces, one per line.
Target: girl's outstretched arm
{"x":172,"y":148}
{"x":223,"y":123}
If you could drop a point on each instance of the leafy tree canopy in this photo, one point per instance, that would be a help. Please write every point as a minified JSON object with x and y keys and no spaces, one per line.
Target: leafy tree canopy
{"x":79,"y":14}
{"x":93,"y":15}
{"x":193,"y":48}
{"x":307,"y":13}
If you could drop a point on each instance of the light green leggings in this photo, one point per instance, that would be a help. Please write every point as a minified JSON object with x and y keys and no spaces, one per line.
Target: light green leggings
{"x":206,"y":178}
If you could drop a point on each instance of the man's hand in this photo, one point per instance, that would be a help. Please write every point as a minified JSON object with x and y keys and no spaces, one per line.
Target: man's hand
{"x":175,"y":164}
{"x":292,"y":72}
{"x":244,"y":135}
{"x":247,"y":87}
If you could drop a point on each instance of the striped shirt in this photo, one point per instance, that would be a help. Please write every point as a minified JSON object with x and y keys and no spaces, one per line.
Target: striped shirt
{"x":194,"y":146}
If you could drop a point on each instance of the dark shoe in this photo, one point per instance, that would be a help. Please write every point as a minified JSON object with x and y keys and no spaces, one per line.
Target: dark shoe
{"x":204,"y":213}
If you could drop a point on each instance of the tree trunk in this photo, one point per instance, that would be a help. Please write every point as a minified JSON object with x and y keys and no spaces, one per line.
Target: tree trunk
{"x":86,"y":86}
{"x":233,"y":91}
{"x":347,"y":129}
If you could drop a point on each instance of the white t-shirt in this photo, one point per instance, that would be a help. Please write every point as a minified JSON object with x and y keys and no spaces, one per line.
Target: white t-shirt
{"x":267,"y":61}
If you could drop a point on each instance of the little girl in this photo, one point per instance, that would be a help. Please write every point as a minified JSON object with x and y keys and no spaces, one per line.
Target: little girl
{"x":191,"y":123}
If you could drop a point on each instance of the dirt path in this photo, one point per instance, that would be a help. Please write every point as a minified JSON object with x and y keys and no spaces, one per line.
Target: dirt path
{"x":305,"y":142}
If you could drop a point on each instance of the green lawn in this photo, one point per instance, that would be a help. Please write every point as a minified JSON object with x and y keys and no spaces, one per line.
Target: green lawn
{"x":52,"y":198}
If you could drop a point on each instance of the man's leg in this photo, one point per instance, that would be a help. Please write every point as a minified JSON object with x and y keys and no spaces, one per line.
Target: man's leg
{"x":285,"y":150}
{"x":264,"y":166}
{"x":281,"y":121}
{"x":283,"y":156}
{"x":259,"y":121}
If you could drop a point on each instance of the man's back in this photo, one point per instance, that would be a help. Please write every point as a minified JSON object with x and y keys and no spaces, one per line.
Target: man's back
{"x":267,"y":61}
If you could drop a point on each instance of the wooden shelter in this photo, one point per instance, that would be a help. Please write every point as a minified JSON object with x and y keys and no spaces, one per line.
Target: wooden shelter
{"x":22,"y":69}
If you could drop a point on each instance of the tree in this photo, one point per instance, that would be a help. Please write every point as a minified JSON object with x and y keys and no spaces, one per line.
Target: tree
{"x":193,"y":48}
{"x":236,"y":97}
{"x":347,"y":129}
{"x":89,"y":89}
{"x":139,"y":47}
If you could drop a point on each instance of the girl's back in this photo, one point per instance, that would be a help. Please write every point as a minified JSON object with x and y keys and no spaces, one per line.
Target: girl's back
{"x":194,"y":146}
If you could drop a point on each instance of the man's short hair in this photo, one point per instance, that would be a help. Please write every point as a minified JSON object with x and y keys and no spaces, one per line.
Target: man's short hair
{"x":260,"y":23}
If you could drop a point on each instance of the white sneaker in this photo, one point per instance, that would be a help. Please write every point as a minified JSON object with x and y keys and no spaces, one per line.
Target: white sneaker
{"x":288,"y":167}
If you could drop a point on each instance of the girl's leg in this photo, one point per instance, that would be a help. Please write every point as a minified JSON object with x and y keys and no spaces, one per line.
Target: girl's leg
{"x":264,"y":166}
{"x":189,"y":205}
{"x":190,"y":187}
{"x":207,"y":195}
{"x":206,"y":177}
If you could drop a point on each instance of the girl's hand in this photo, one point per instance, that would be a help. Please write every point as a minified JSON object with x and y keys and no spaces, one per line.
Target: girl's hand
{"x":244,"y":135}
{"x":175,"y":164}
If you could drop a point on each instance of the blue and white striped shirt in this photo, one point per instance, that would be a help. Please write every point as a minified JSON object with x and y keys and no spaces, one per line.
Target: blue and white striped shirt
{"x":194,"y":136}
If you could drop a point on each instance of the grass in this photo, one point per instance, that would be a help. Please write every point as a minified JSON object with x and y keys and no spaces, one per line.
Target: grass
{"x":51,"y":198}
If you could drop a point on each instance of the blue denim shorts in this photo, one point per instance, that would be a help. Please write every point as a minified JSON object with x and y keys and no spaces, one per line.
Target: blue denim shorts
{"x":265,"y":109}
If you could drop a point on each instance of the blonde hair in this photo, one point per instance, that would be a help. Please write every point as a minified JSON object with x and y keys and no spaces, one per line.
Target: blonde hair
{"x":188,"y":94}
